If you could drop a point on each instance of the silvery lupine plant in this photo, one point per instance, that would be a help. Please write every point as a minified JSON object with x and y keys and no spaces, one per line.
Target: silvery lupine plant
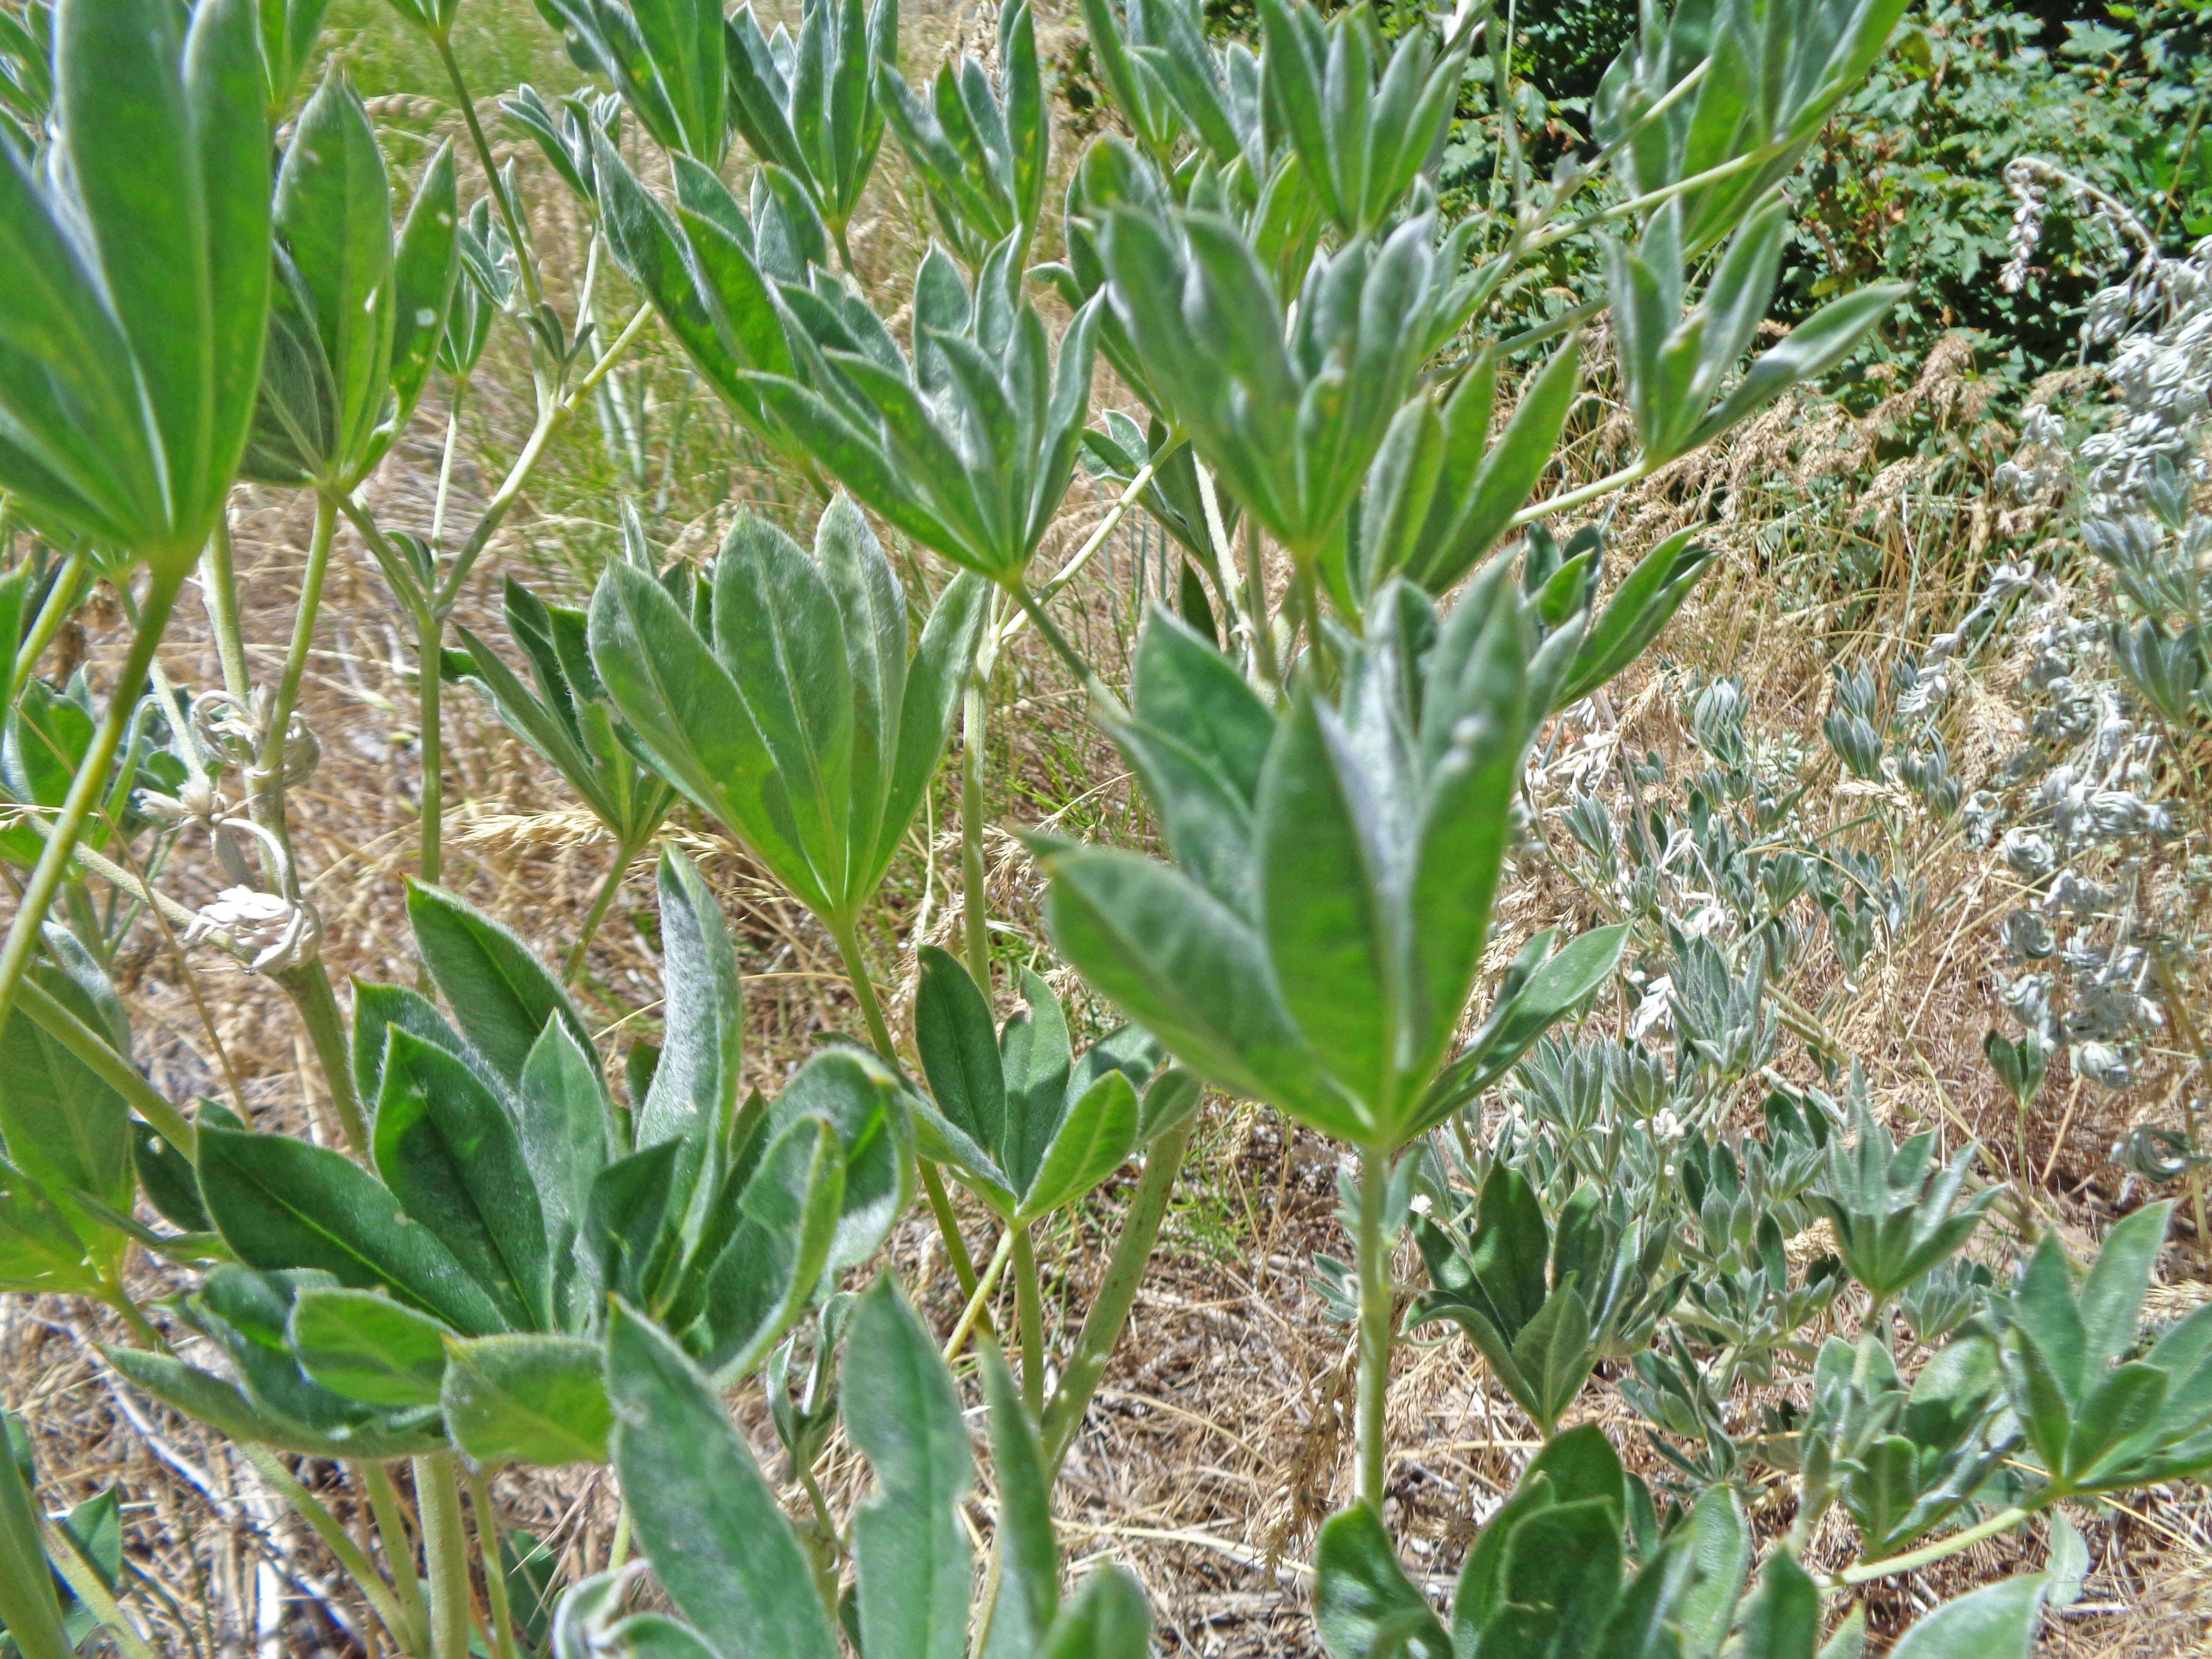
{"x":499,"y":1259}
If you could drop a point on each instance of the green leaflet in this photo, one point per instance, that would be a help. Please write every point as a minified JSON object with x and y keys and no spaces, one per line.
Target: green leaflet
{"x":902,"y":1411}
{"x":525,"y":1399}
{"x":162,"y":290}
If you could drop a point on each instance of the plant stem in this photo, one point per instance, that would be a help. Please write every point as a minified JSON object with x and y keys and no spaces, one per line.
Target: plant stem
{"x":879,"y":1033}
{"x":350,"y":1556}
{"x":446,"y":463}
{"x":390,"y":1518}
{"x":219,"y":596}
{"x":133,"y":1315}
{"x":1028,"y":1313}
{"x":429,"y":656}
{"x":85,"y":788}
{"x":494,"y":1567}
{"x":444,"y":1552}
{"x":1374,"y":1311}
{"x":61,"y":598}
{"x":976,"y":1297}
{"x":1091,"y":543}
{"x":60,"y":1022}
{"x":1589,"y":492}
{"x":524,"y":261}
{"x":948,"y":1227}
{"x":864,"y":989}
{"x":549,"y":427}
{"x":610,"y":885}
{"x":1865,"y":1572}
{"x":1116,"y":1294}
{"x":1085,"y":676}
{"x":93,"y":1591}
{"x":974,"y":902}
{"x":308,"y":984}
{"x":271,"y":763}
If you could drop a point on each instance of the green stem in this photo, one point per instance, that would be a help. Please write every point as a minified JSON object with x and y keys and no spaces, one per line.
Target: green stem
{"x":219,"y":596}
{"x":974,"y":902}
{"x":85,"y":788}
{"x":446,"y":464}
{"x":132,"y":1314}
{"x":494,"y":1567}
{"x":879,"y":1033}
{"x":1865,"y":1572}
{"x":93,"y":1591}
{"x":525,"y":261}
{"x":429,"y":649}
{"x":973,"y":1311}
{"x":549,"y":427}
{"x":62,"y":600}
{"x":29,"y":1609}
{"x":390,"y":1517}
{"x":1116,"y":1294}
{"x":1588,"y":492}
{"x":349,"y":1555}
{"x":864,"y":989}
{"x":948,"y":1226}
{"x":60,"y":1022}
{"x":1374,"y":1311}
{"x":308,"y":984}
{"x":1255,"y":606}
{"x":445,"y":1551}
{"x":295,"y":656}
{"x":610,"y":885}
{"x":1029,"y":1312}
{"x":1085,"y":676}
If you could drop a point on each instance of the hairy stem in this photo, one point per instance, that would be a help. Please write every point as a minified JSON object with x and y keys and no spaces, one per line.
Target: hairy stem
{"x":549,"y":427}
{"x":429,"y":653}
{"x":1865,"y":1572}
{"x":494,"y":1567}
{"x":444,"y":1552}
{"x":525,"y":261}
{"x":973,"y":1311}
{"x":380,"y":1595}
{"x":85,"y":789}
{"x":1116,"y":1294}
{"x":390,"y":1517}
{"x":61,"y":602}
{"x":219,"y":596}
{"x":864,"y":989}
{"x":92,"y":1591}
{"x":1373,"y":1384}
{"x":974,"y":902}
{"x":1028,"y":1313}
{"x":1085,"y":676}
{"x":948,"y":1227}
{"x":308,"y":984}
{"x":271,"y":763}
{"x":610,"y":885}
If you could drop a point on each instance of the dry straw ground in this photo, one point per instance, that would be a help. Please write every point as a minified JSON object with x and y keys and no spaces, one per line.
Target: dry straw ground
{"x":1221,"y":1435}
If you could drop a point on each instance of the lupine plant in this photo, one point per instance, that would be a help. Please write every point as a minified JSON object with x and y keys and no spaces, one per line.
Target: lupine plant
{"x":509,"y":1248}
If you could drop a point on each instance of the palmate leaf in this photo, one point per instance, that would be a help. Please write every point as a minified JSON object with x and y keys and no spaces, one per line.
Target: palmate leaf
{"x":735,"y":1571}
{"x":1319,"y":947}
{"x":804,"y":727}
{"x":132,"y":341}
{"x":667,"y":59}
{"x":982,"y":157}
